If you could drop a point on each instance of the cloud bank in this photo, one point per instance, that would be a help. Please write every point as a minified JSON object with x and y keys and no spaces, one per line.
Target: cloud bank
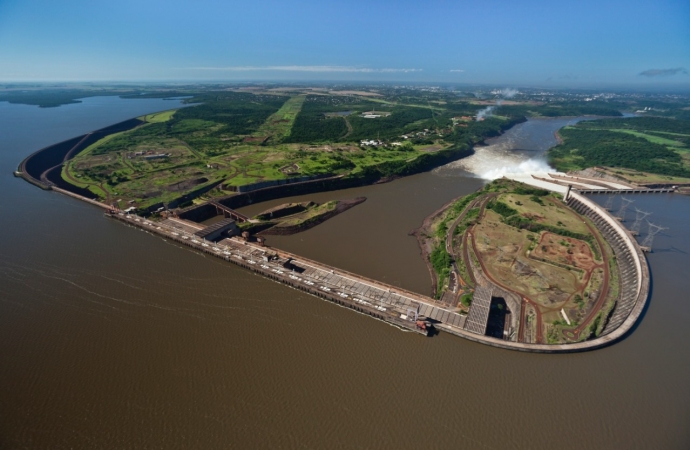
{"x":663,"y":72}
{"x":348,"y":69}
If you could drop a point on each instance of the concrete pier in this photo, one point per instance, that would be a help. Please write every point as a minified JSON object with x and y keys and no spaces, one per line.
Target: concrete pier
{"x":385,"y":302}
{"x":401,"y":307}
{"x":626,"y":191}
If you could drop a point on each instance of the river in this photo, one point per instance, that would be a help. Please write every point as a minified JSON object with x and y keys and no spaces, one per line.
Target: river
{"x":114,"y":338}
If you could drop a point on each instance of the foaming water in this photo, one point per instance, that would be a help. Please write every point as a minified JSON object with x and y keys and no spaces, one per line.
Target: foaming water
{"x":520,"y":150}
{"x":490,"y":163}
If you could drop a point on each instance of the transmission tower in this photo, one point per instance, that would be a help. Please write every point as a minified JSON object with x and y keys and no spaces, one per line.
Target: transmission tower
{"x":639,"y":216}
{"x":625,"y":202}
{"x":609,"y":203}
{"x":653,"y":231}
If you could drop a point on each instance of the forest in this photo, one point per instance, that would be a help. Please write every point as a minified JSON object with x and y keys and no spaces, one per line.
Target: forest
{"x":649,"y":144}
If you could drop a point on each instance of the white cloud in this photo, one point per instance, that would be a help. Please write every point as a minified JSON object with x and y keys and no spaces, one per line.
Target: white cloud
{"x":457,"y":70}
{"x":303,"y":69}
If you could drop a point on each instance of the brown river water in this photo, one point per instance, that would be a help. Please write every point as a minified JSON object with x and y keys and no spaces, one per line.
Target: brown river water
{"x":114,"y":338}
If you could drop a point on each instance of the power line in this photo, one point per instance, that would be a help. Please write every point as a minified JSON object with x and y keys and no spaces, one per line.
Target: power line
{"x":639,"y":216}
{"x":609,"y":203}
{"x":625,"y":202}
{"x":653,"y":231}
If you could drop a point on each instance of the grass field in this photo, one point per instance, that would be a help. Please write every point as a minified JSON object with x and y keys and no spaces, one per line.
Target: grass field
{"x":159,"y":117}
{"x":279,"y":124}
{"x":653,"y":139}
{"x":239,"y":138}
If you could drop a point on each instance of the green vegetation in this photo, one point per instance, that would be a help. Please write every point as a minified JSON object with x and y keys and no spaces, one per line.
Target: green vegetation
{"x":311,"y":215}
{"x":312,"y":124}
{"x":454,"y":211}
{"x":441,"y":262}
{"x":158,"y":117}
{"x":280,"y":124}
{"x":649,"y":144}
{"x":561,"y":109}
{"x":232,"y":139}
{"x":501,"y":208}
{"x":440,"y":259}
{"x":529,"y":242}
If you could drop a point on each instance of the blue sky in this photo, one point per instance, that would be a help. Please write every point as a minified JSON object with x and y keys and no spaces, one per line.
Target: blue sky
{"x":574,"y":43}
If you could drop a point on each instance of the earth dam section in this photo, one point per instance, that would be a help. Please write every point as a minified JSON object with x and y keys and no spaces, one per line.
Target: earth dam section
{"x":112,"y":338}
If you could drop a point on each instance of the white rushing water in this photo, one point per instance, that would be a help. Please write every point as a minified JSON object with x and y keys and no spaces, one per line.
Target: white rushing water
{"x":519,"y":153}
{"x":499,"y":160}
{"x":490,"y":164}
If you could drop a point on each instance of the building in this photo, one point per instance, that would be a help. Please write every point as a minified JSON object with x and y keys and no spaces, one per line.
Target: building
{"x":222,"y":228}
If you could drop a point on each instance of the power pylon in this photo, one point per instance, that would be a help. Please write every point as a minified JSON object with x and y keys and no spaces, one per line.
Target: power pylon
{"x":625,"y":202}
{"x":639,"y":216}
{"x":653,"y":231}
{"x":609,"y":203}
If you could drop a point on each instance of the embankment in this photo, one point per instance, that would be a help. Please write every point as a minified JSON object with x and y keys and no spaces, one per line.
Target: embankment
{"x":341,"y":207}
{"x":42,"y":167}
{"x":371,"y":175}
{"x":347,"y":301}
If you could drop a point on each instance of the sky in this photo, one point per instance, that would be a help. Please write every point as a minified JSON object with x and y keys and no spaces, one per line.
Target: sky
{"x":524,"y":42}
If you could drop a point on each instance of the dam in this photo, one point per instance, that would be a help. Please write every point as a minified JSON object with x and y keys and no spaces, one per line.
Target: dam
{"x":408,"y":310}
{"x":399,"y":307}
{"x":402,"y":308}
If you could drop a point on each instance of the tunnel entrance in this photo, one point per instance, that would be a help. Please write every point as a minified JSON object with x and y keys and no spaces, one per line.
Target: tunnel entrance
{"x":499,"y":318}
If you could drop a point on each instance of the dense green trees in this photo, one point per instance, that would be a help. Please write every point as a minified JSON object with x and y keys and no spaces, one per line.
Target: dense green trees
{"x":560,"y":109}
{"x":240,"y":113}
{"x":642,"y":124}
{"x":591,"y":147}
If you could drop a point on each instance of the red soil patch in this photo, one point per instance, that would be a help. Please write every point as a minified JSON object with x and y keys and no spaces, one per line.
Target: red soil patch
{"x":576,"y":253}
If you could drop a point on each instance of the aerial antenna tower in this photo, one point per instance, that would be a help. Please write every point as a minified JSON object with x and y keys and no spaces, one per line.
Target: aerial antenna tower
{"x":639,"y":216}
{"x":625,"y":202}
{"x":609,"y":203}
{"x":653,"y":231}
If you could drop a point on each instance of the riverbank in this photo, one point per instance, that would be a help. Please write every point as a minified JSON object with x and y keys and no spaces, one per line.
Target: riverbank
{"x":45,"y":168}
{"x":297,"y":223}
{"x":611,"y":280}
{"x":349,"y":290}
{"x":118,"y":337}
{"x":238,"y":200}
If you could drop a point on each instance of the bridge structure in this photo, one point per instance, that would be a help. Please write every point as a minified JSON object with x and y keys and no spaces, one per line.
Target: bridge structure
{"x":229,"y":212}
{"x":389,"y":303}
{"x":625,"y":191}
{"x":393,"y":304}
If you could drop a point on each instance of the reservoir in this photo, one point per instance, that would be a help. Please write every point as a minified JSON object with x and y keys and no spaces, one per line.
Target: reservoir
{"x":114,"y":338}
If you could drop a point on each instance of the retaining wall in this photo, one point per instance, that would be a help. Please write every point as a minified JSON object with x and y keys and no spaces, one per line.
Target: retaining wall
{"x":632,"y":265}
{"x":346,"y":302}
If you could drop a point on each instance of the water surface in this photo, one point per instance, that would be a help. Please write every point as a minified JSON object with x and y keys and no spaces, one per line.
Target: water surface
{"x":114,"y":338}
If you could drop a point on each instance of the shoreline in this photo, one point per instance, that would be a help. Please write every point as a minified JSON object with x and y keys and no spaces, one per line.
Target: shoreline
{"x":629,"y":306}
{"x":335,"y":183}
{"x":52,"y":157}
{"x":343,"y":205}
{"x":605,"y":340}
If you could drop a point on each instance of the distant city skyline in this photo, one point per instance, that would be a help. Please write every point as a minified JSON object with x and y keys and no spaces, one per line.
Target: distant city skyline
{"x":575,"y":44}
